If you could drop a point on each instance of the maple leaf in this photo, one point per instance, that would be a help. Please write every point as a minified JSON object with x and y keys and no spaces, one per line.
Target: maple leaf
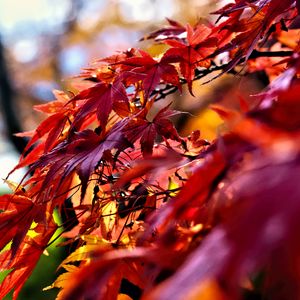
{"x":18,"y":212}
{"x":232,"y":253}
{"x":106,"y":69}
{"x":140,"y":128}
{"x":193,"y":54}
{"x":150,"y":71}
{"x":174,"y":31}
{"x":113,"y":267}
{"x":102,"y":150}
{"x":25,"y":258}
{"x":250,"y":29}
{"x":169,"y":159}
{"x":100,"y":99}
{"x":80,"y":154}
{"x":83,"y":255}
{"x":53,"y":126}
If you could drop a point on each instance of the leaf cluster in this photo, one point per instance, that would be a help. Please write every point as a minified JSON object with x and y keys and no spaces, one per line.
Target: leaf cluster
{"x":171,"y":217}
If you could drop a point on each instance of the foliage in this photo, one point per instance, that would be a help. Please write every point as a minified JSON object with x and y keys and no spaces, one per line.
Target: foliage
{"x":154,"y":214}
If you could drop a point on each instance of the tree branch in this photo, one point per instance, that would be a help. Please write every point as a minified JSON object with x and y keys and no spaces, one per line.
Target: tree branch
{"x":169,"y":89}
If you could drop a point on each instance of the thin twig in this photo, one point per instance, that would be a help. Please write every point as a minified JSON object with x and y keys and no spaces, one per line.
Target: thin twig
{"x":169,"y":89}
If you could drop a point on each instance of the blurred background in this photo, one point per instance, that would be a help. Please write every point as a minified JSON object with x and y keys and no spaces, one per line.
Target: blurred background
{"x":44,"y":43}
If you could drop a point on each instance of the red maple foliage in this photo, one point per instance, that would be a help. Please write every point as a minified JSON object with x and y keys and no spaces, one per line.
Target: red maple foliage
{"x":167,"y":216}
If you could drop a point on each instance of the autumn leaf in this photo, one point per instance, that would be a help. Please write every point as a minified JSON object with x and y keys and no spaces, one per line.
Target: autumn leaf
{"x":113,"y":267}
{"x":234,"y":254}
{"x":193,"y":54}
{"x":150,"y":71}
{"x":153,"y":164}
{"x":100,"y":99}
{"x":173,"y":31}
{"x":140,"y":128}
{"x":53,"y":126}
{"x":18,"y":213}
{"x":83,"y":253}
{"x":61,"y":280}
{"x":248,"y":30}
{"x":148,"y":213}
{"x":22,"y":260}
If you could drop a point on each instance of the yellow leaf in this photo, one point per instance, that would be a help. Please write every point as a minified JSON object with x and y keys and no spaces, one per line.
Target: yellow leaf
{"x":209,"y":122}
{"x":61,"y":279}
{"x":94,"y":240}
{"x":59,"y":282}
{"x":124,"y":297}
{"x":70,"y":268}
{"x":290,"y":39}
{"x":15,"y":187}
{"x":89,"y":194}
{"x":172,"y":186}
{"x":207,"y":291}
{"x":82,"y":253}
{"x":108,"y":220}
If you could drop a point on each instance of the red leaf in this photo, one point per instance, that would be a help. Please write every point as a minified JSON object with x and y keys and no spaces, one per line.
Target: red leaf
{"x":174,"y":31}
{"x":150,"y":72}
{"x":81,"y":155}
{"x":199,"y":46}
{"x":99,"y":99}
{"x":140,"y":128}
{"x":25,"y":259}
{"x":148,"y":166}
{"x":272,"y":227}
{"x":53,"y":124}
{"x":248,"y":31}
{"x":103,"y":277}
{"x":188,"y":203}
{"x":15,"y":220}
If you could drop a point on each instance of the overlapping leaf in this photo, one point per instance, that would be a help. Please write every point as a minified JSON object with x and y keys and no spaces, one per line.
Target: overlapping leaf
{"x":234,"y":209}
{"x":24,"y":254}
{"x":150,"y":71}
{"x":140,"y":128}
{"x":99,"y":100}
{"x":193,"y":54}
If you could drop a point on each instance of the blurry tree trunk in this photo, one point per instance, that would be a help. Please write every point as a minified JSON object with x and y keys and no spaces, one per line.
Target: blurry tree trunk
{"x":7,"y":94}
